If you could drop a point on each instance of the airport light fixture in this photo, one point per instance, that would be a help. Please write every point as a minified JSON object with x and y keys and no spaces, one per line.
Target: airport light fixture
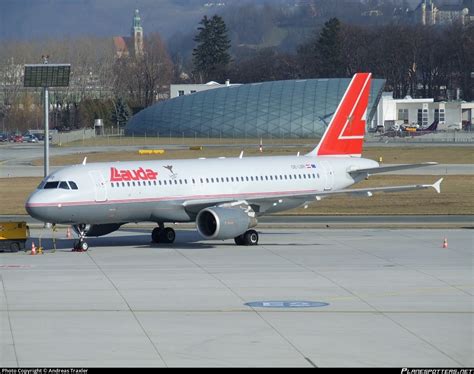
{"x":46,"y":75}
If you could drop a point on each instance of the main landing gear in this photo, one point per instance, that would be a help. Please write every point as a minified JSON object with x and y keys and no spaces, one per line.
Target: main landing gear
{"x":80,"y":245}
{"x":163,"y":234}
{"x":249,"y":237}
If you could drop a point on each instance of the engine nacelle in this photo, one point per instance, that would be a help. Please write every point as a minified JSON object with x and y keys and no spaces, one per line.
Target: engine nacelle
{"x":99,"y":230}
{"x":223,"y":223}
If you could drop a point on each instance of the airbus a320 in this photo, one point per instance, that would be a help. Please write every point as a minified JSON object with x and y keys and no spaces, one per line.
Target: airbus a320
{"x":224,"y":196}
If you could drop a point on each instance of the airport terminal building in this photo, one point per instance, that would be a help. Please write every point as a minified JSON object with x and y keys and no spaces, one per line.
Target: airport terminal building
{"x":278,"y":109}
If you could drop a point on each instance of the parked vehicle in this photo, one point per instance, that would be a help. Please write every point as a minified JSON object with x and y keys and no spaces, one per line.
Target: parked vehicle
{"x":13,"y":236}
{"x":41,"y":137}
{"x":30,"y":139}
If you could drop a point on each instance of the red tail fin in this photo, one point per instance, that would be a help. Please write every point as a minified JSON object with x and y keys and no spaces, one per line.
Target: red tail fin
{"x":345,"y":133}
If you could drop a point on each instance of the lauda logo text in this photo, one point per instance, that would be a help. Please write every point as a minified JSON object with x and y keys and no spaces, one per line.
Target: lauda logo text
{"x":118,"y":175}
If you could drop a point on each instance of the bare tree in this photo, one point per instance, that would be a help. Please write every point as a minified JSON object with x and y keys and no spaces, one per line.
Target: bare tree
{"x":144,"y":79}
{"x":461,"y":43}
{"x":355,"y":49}
{"x":392,"y":58}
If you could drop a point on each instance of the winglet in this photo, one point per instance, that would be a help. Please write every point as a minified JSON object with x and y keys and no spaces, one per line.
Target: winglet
{"x":437,"y":185}
{"x":84,"y":161}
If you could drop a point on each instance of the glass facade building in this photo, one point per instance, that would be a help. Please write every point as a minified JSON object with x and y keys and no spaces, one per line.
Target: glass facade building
{"x":279,"y":109}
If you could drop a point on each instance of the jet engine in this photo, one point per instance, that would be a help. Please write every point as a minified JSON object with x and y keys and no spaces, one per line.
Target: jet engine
{"x":97,"y":230}
{"x":223,"y":223}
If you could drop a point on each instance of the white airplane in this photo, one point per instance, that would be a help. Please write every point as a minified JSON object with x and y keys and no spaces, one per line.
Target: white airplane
{"x":224,"y":196}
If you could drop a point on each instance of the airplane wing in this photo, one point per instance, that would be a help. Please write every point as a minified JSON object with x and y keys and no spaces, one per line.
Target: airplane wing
{"x":383,"y":169}
{"x":364,"y":192}
{"x":264,"y":202}
{"x":368,"y":192}
{"x":195,"y":206}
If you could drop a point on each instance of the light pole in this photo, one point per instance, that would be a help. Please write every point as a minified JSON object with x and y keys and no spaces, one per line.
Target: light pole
{"x":46,"y":75}
{"x":46,"y":123}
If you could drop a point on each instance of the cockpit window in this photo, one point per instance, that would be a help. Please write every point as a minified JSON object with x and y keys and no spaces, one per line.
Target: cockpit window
{"x":51,"y":185}
{"x":61,"y":184}
{"x":41,"y":185}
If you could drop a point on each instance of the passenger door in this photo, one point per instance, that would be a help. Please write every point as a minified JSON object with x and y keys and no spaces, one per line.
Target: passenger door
{"x":100,"y":188}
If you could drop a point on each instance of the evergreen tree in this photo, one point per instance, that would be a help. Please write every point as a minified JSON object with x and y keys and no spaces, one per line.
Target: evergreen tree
{"x":211,"y":57}
{"x":329,"y":50}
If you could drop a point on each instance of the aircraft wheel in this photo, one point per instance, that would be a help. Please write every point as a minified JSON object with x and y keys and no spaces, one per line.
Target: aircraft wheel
{"x":239,"y":240}
{"x":80,"y":246}
{"x":251,"y":237}
{"x":156,"y":235}
{"x":167,"y":235}
{"x":84,"y":246}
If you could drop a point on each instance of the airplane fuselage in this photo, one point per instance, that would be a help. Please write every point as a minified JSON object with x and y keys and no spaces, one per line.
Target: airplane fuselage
{"x":160,"y":191}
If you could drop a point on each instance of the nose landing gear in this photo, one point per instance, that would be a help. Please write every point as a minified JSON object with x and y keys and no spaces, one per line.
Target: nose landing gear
{"x":80,"y":245}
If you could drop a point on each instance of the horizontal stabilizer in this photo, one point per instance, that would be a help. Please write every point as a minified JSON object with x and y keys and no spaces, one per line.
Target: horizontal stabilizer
{"x":384,"y":169}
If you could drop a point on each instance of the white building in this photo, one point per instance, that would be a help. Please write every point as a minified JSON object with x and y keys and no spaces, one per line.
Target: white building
{"x":422,"y":112}
{"x":186,"y":89}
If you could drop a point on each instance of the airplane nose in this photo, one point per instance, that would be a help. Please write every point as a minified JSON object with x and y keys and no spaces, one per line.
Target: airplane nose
{"x":35,"y":209}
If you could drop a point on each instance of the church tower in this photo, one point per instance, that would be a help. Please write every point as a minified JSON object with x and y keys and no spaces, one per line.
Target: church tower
{"x":137,"y":35}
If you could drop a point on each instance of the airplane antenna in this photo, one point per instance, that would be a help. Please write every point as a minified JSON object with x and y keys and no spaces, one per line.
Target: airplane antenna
{"x":84,"y":161}
{"x":241,"y":154}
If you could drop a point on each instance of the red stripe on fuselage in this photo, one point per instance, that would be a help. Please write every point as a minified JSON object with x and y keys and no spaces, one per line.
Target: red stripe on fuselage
{"x":171,"y":198}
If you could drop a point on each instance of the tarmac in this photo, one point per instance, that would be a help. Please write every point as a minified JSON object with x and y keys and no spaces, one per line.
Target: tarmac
{"x":325,"y":297}
{"x":314,"y":221}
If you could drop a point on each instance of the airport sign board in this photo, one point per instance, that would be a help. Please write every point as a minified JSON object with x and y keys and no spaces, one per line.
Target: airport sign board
{"x":47,"y":75}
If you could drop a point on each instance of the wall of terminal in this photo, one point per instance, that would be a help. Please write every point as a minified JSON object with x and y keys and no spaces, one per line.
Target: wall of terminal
{"x":279,"y":109}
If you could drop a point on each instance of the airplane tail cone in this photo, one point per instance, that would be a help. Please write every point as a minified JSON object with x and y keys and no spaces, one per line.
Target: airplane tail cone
{"x":33,"y":248}
{"x":445,"y":243}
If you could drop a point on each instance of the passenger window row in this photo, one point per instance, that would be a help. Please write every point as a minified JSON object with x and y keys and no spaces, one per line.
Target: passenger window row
{"x":217,"y":180}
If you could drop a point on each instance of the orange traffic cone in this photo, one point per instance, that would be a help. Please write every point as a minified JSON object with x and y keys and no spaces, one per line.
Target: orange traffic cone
{"x":445,"y":243}
{"x":33,"y":248}
{"x":68,"y":234}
